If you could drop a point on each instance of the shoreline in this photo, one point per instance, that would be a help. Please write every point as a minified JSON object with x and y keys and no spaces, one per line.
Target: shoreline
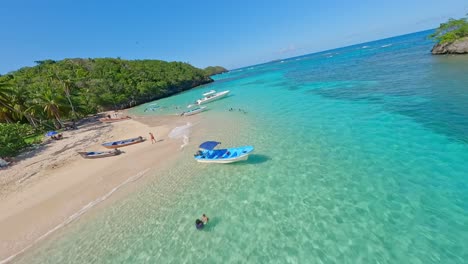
{"x":53,"y":186}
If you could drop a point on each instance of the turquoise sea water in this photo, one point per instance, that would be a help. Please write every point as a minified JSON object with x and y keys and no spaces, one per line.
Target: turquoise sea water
{"x":361,"y":157}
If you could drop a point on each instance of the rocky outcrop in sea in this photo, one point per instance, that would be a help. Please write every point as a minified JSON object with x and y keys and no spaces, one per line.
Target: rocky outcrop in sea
{"x":459,"y":46}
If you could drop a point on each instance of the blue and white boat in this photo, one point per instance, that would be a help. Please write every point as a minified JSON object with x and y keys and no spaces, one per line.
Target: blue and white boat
{"x":99,"y":154}
{"x":208,"y":153}
{"x":123,"y":143}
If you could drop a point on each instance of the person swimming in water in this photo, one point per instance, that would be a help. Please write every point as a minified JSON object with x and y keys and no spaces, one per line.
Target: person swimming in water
{"x":199,"y":224}
{"x":204,"y":219}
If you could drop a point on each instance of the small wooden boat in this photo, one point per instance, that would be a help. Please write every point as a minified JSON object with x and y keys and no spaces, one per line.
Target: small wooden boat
{"x":99,"y":154}
{"x":123,"y":143}
{"x":111,"y":120}
{"x":194,"y":111}
{"x":207,"y":153}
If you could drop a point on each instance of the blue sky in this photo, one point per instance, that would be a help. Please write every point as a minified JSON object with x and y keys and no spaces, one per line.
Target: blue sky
{"x":228,"y":33}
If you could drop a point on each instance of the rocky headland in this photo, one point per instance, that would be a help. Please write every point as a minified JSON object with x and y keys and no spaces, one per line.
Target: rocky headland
{"x":459,"y":46}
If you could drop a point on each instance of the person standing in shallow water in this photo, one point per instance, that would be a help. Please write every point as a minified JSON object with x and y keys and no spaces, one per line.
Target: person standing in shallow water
{"x":153,"y":140}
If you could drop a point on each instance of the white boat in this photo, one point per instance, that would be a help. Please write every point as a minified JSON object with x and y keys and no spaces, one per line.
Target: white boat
{"x":194,"y":111}
{"x":211,"y":96}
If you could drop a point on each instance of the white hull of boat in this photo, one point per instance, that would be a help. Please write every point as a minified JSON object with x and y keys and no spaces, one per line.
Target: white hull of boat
{"x":194,"y":112}
{"x":213,"y":98}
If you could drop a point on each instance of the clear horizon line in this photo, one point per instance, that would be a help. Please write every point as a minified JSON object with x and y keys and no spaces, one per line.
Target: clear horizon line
{"x":250,"y":65}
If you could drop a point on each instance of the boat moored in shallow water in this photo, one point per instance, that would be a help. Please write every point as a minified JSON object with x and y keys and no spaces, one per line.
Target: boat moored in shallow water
{"x":211,"y":96}
{"x":194,"y":111}
{"x":208,"y":153}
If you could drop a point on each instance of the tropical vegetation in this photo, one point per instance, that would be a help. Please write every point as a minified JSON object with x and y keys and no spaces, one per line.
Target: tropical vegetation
{"x":12,"y":138}
{"x":451,"y":30}
{"x":45,"y":95}
{"x":212,"y":70}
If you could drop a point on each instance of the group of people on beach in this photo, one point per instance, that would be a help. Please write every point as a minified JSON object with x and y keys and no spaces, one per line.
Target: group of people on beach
{"x":114,"y":115}
{"x":57,"y":137}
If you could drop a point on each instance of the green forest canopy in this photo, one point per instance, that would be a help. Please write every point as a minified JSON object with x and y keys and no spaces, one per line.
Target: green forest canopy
{"x":451,"y":30}
{"x":212,"y":70}
{"x":71,"y":88}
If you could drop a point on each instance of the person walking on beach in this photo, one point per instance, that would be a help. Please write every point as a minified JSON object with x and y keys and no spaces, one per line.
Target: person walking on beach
{"x":153,"y":140}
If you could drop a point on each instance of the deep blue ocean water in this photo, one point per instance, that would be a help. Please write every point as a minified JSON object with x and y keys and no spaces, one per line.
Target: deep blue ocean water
{"x":361,"y":157}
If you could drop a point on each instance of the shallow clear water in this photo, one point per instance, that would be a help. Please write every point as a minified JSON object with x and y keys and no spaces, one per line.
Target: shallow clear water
{"x":361,"y":157}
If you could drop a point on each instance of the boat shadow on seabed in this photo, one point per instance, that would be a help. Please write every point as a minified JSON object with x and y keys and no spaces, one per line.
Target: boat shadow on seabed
{"x":253,"y":159}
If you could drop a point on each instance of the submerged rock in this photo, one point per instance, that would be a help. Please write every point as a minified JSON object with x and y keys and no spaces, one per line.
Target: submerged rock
{"x":459,"y":46}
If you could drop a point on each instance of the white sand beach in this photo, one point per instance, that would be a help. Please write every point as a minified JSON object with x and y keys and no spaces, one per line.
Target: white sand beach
{"x":47,"y":187}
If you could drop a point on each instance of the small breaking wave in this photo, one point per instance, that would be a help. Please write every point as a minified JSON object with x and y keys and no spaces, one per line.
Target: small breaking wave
{"x":181,"y":131}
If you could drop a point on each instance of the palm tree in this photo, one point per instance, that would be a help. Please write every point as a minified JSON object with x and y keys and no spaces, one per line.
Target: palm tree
{"x":67,"y":85}
{"x":5,"y":115}
{"x":51,"y":102}
{"x":4,"y":91}
{"x":20,"y":100}
{"x":13,"y":104}
{"x":68,"y":79}
{"x":6,"y":109}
